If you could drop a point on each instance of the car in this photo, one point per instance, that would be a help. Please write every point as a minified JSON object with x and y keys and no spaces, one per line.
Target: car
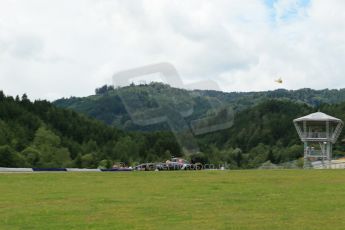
{"x":182,"y":164}
{"x":172,"y":164}
{"x":145,"y":167}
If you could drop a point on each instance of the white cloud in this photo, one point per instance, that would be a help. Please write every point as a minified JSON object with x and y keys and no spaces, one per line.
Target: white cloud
{"x":51,"y":49}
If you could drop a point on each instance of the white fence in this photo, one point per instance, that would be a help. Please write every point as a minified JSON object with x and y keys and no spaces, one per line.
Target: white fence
{"x":16,"y":169}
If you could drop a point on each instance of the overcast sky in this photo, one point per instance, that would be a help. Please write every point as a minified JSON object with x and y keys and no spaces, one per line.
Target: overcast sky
{"x":51,"y":49}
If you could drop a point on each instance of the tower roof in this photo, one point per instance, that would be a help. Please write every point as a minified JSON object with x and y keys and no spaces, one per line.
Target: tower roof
{"x":318,"y":116}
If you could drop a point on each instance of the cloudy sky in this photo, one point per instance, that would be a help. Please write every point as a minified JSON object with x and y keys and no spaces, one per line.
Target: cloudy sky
{"x":52,"y":49}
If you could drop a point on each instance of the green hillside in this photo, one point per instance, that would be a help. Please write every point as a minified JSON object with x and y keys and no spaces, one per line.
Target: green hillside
{"x":261,"y":122}
{"x":265,"y":133}
{"x":39,"y":134}
{"x":127,"y":107}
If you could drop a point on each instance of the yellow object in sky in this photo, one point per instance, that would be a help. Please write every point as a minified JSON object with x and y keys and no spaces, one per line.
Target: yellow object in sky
{"x":280,"y":81}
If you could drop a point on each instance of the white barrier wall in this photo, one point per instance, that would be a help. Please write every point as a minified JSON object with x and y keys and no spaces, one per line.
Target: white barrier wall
{"x":3,"y":169}
{"x":82,"y":170}
{"x":16,"y":169}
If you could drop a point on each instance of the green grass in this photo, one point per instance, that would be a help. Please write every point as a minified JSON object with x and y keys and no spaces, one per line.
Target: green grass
{"x":267,"y":199}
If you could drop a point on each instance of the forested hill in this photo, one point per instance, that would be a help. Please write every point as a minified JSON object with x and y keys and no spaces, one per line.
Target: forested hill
{"x":265,"y":132}
{"x":38,"y":134}
{"x":126,"y":107}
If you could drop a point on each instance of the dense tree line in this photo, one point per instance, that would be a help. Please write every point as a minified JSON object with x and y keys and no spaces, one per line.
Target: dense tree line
{"x":38,"y":134}
{"x":265,"y":133}
{"x":116,"y":106}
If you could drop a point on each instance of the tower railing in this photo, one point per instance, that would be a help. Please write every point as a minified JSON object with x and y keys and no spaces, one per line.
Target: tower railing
{"x":317,"y":153}
{"x":315,"y":135}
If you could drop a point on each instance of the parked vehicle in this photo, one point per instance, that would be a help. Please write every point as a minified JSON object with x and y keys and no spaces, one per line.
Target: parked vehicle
{"x":145,"y":167}
{"x":181,"y":164}
{"x":173,"y":164}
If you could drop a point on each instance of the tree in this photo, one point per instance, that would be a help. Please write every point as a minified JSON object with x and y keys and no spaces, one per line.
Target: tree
{"x":78,"y":161}
{"x":4,"y":133}
{"x":62,"y":157}
{"x":2,"y":95}
{"x":238,"y":157}
{"x":270,"y":156}
{"x":105,"y":164}
{"x":199,"y":158}
{"x":88,"y":161}
{"x":10,"y":158}
{"x":126,"y":150}
{"x":104,"y":89}
{"x":51,"y":152}
{"x":32,"y":156}
{"x":25,"y":97}
{"x":45,"y":137}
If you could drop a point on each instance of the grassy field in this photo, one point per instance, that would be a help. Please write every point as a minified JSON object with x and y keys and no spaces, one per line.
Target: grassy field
{"x":267,"y":199}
